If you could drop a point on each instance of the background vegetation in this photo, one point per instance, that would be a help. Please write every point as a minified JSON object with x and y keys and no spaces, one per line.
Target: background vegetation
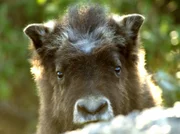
{"x":18,"y":96}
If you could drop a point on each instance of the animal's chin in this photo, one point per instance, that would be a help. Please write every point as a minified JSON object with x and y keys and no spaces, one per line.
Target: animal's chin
{"x":82,"y":124}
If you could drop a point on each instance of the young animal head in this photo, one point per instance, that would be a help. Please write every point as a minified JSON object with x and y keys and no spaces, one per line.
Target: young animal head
{"x":86,"y":66}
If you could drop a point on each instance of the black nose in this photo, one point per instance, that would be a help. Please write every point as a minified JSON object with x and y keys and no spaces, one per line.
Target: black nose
{"x":92,"y":107}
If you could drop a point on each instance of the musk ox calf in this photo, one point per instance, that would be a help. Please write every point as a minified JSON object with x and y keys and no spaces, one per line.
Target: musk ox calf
{"x":88,"y":67}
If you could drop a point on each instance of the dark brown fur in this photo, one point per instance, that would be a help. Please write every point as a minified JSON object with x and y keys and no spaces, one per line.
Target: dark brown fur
{"x":88,"y":73}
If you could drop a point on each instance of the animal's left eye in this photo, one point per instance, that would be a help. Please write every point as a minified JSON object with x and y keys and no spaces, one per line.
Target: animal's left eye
{"x":118,"y":70}
{"x":59,"y":74}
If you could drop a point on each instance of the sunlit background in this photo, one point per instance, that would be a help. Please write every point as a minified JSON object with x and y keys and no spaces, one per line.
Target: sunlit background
{"x":18,"y":97}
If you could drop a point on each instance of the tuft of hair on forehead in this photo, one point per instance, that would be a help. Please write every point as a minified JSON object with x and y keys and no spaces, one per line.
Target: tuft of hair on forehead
{"x":86,"y":27}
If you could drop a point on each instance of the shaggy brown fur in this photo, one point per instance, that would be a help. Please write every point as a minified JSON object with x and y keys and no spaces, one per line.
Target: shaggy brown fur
{"x":88,"y":53}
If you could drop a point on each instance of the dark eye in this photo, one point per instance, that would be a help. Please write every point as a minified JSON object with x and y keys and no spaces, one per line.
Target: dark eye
{"x":118,"y":70}
{"x":59,"y":74}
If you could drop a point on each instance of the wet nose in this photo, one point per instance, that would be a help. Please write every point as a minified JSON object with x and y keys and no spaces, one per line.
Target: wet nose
{"x":92,"y":108}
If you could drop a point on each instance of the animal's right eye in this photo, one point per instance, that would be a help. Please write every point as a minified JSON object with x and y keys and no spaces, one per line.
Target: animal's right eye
{"x":118,"y":70}
{"x":59,"y":74}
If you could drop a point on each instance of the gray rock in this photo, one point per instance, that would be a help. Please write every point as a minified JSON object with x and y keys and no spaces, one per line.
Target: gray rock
{"x":155,"y":120}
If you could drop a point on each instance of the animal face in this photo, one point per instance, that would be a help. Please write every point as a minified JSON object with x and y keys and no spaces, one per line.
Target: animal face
{"x":87,"y":67}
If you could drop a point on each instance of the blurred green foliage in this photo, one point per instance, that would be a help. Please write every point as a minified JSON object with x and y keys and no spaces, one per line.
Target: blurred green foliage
{"x":160,"y":36}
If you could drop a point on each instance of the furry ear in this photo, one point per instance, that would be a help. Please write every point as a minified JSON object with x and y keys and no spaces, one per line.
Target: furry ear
{"x":129,"y":24}
{"x":37,"y":32}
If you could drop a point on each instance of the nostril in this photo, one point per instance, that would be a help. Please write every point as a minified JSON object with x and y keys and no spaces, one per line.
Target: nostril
{"x":101,"y":107}
{"x":92,"y":108}
{"x":82,"y":108}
